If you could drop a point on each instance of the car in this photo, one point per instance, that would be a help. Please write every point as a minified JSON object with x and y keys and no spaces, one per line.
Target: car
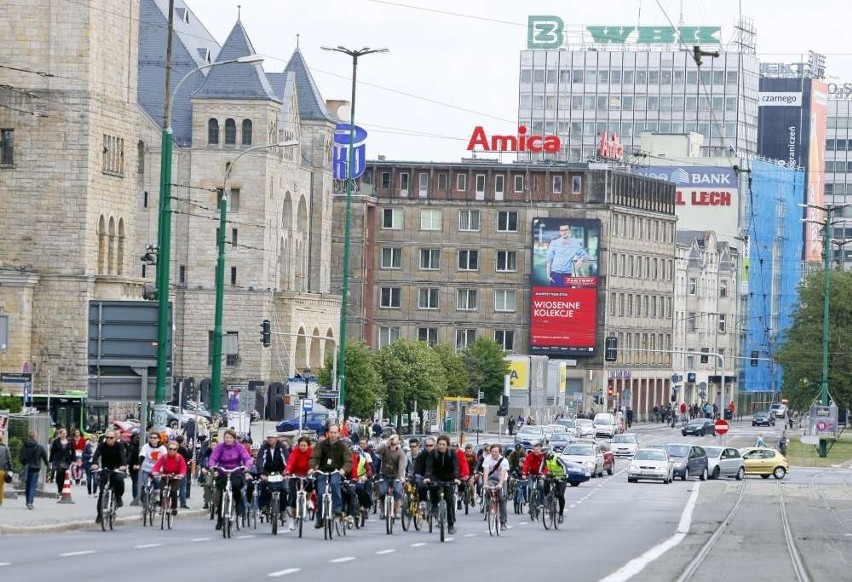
{"x":699,"y":427}
{"x":651,"y":463}
{"x":559,"y":441}
{"x":570,"y":425}
{"x":779,"y":409}
{"x":585,"y":428}
{"x":688,"y":460}
{"x":764,"y":461}
{"x":624,"y":444}
{"x":193,"y":408}
{"x":529,"y":435}
{"x":315,"y":421}
{"x":591,"y":455}
{"x":126,"y":429}
{"x":604,"y":424}
{"x":763,"y":418}
{"x":576,"y":473}
{"x":725,"y":462}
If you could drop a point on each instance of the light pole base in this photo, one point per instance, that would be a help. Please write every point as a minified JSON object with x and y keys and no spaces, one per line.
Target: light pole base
{"x":160,"y":417}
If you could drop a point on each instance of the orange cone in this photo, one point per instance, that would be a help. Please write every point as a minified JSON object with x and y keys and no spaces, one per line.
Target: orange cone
{"x":66,"y":491}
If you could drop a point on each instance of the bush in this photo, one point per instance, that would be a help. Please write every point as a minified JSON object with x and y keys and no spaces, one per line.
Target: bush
{"x":15,"y":445}
{"x":11,"y":403}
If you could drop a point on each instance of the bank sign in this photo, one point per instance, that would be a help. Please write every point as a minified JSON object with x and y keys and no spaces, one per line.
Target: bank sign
{"x":548,"y":32}
{"x":707,"y":197}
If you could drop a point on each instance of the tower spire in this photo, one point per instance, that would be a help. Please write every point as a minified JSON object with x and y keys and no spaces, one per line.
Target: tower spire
{"x":239,"y":10}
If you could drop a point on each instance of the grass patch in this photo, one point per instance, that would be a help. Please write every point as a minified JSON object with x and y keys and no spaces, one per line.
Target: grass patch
{"x":806,"y":455}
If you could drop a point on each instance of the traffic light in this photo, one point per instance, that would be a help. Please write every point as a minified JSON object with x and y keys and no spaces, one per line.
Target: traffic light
{"x":266,"y":333}
{"x":611,"y":349}
{"x":609,"y":390}
{"x":674,"y":394}
{"x":503,"y":409}
{"x":704,"y":357}
{"x":754,"y":355}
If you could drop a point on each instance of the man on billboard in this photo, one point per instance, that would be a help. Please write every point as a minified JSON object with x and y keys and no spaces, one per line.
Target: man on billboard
{"x":565,"y":257}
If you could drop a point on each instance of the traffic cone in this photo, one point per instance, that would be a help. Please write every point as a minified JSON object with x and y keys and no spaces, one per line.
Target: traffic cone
{"x":66,"y":491}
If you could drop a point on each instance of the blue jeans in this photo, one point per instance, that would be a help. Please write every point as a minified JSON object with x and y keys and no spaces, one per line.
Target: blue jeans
{"x":336,"y":497}
{"x":397,"y":487}
{"x":32,"y":482}
{"x":182,"y":494}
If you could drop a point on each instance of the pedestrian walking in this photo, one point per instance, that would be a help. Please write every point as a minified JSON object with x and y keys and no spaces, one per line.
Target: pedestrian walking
{"x":511,"y":425}
{"x":782,"y":443}
{"x":184,"y":452}
{"x":61,"y":457}
{"x":5,"y":467}
{"x":760,"y":442}
{"x":132,"y":469}
{"x":88,"y":454}
{"x":32,"y":455}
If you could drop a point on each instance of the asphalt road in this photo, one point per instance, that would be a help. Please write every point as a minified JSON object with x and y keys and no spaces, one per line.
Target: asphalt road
{"x":613,"y":530}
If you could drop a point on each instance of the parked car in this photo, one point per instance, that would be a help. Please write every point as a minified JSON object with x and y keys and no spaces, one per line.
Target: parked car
{"x":604,"y":424}
{"x":576,"y":473}
{"x":763,"y":418}
{"x":585,"y":428}
{"x":315,"y":421}
{"x":529,"y":435}
{"x":724,"y":462}
{"x":699,"y":427}
{"x":200,"y":408}
{"x":624,"y":444}
{"x":126,"y":429}
{"x":591,"y":455}
{"x":764,"y":461}
{"x":650,"y":464}
{"x":779,"y":409}
{"x":688,"y":461}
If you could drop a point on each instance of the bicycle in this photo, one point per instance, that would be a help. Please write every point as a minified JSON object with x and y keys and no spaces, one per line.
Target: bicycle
{"x":550,"y":507}
{"x":149,"y":507}
{"x":275,"y":482}
{"x":469,"y":496}
{"x":227,"y":511}
{"x":412,"y":508}
{"x":248,"y":517}
{"x":107,"y":504}
{"x":535,"y":498}
{"x":166,"y":516}
{"x":355,"y":515}
{"x":388,"y":503}
{"x":301,"y":513}
{"x":442,"y":515}
{"x":492,"y":515}
{"x":520,"y":495}
{"x":330,"y":524}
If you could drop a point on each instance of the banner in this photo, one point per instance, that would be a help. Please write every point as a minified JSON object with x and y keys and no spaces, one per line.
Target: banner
{"x":519,"y":372}
{"x":564,"y":278}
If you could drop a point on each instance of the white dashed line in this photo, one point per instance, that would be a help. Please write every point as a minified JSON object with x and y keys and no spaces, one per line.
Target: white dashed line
{"x":280,"y":573}
{"x":469,"y":535}
{"x":143,"y":546}
{"x":382,"y":552}
{"x":449,"y":539}
{"x":344,"y":559}
{"x":82,"y":553}
{"x":248,"y":537}
{"x":5,"y":563}
{"x":573,"y":505}
{"x":418,"y":544}
{"x":523,"y":523}
{"x":200,"y":539}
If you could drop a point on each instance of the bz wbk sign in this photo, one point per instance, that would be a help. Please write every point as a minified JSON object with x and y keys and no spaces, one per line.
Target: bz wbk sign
{"x":548,"y":32}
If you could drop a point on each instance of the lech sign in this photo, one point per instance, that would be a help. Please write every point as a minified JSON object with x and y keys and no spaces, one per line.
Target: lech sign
{"x":340,"y":156}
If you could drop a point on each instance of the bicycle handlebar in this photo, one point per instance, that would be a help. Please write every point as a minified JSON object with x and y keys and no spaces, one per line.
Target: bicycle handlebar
{"x":229,"y":471}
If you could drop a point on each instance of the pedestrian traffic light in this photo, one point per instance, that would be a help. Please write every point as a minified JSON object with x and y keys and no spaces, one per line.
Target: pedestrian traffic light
{"x":609,"y":390}
{"x":704,"y":357}
{"x":754,"y":355}
{"x":503,"y":409}
{"x":674,"y":394}
{"x":266,"y":333}
{"x":611,"y":349}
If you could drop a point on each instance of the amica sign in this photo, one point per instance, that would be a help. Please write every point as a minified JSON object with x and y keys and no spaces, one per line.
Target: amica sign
{"x":513,"y":143}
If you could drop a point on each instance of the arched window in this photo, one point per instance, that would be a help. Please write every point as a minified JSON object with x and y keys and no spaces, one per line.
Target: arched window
{"x":247,"y":132}
{"x":213,"y":132}
{"x":230,"y":132}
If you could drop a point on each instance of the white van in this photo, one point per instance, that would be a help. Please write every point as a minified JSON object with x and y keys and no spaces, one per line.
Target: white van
{"x":604,"y":424}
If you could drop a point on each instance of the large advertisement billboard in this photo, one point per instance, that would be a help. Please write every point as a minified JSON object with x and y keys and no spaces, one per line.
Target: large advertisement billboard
{"x":564,"y":280}
{"x":815,"y":176}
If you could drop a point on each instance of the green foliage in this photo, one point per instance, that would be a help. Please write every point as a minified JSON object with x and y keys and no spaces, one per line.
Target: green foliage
{"x":11,"y":403}
{"x":458,"y":381}
{"x":363,"y":383}
{"x":15,"y":445}
{"x":801,"y":353}
{"x":486,"y":366}
{"x":411,"y":371}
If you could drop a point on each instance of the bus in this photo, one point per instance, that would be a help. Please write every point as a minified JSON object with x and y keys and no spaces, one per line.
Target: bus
{"x":73,"y":408}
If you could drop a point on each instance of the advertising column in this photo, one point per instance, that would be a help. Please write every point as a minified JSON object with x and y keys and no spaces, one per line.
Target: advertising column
{"x":564,"y":279}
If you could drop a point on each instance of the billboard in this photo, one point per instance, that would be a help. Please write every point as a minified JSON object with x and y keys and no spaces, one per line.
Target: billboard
{"x":707,"y":197}
{"x":814,"y":166}
{"x":519,"y":372}
{"x":564,"y":281}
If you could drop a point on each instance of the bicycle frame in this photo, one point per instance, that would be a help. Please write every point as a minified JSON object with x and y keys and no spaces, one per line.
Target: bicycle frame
{"x":227,"y":510}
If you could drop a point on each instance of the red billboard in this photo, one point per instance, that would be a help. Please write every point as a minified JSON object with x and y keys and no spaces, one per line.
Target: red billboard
{"x":564,"y":279}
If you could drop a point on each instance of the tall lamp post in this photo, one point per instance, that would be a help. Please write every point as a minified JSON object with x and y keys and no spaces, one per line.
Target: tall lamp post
{"x":164,"y":233}
{"x":350,"y":169}
{"x":216,"y":375}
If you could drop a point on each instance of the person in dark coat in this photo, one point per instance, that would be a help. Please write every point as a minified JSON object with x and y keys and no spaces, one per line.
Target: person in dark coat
{"x":133,"y":453}
{"x":442,"y":470}
{"x":61,"y":457}
{"x":32,"y":455}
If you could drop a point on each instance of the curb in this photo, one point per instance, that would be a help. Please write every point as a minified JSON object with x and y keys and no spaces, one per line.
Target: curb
{"x":80,"y":524}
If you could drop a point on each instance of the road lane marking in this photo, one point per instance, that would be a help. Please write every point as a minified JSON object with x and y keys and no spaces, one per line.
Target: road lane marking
{"x":81,"y":553}
{"x":248,"y":537}
{"x":143,"y":546}
{"x":573,"y":505}
{"x":636,"y":565}
{"x":382,"y":552}
{"x":5,"y":563}
{"x":341,"y":560}
{"x":469,"y":535}
{"x":280,"y":573}
{"x":523,"y":523}
{"x":200,"y":539}
{"x":418,"y":544}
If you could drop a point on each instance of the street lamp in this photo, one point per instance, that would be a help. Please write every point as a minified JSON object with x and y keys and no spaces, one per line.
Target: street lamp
{"x":216,"y":375}
{"x":350,"y":169}
{"x":164,"y":232}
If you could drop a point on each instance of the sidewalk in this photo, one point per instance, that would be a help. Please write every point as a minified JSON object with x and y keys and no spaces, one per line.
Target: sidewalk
{"x":52,"y":517}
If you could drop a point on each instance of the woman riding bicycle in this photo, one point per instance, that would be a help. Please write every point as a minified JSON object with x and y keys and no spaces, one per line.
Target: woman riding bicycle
{"x":297,"y":466}
{"x":174,"y":465}
{"x":230,"y":455}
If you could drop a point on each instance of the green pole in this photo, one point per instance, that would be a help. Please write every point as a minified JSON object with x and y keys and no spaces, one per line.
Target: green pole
{"x":826,"y":254}
{"x":163,"y":261}
{"x":216,"y":380}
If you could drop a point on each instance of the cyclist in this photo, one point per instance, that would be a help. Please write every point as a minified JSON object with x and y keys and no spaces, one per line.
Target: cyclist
{"x":362,"y":471}
{"x":206,"y":478}
{"x":110,"y":454}
{"x":516,"y":460}
{"x":148,"y":455}
{"x":555,"y":467}
{"x":464,"y":473}
{"x":298,"y":465}
{"x":392,"y":472}
{"x":271,"y":458}
{"x":533,"y":462}
{"x":411,"y":456}
{"x":418,"y":471}
{"x":495,"y":467}
{"x":175,"y":465}
{"x":443,"y":465}
{"x":229,"y":455}
{"x":332,"y":455}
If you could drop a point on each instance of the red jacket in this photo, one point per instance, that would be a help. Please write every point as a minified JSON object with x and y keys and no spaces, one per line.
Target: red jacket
{"x":297,"y":464}
{"x":464,"y":469}
{"x":169,"y":465}
{"x":78,"y":444}
{"x":532,"y":464}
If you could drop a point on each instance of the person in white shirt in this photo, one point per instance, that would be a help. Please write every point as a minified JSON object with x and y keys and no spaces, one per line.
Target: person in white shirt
{"x":148,"y":456}
{"x":495,"y":467}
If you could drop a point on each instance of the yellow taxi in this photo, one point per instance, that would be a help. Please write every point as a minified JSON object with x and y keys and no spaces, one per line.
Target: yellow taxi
{"x":764,"y":461}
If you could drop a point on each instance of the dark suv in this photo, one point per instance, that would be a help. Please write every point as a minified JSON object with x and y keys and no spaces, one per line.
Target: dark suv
{"x":688,"y":461}
{"x":763,"y":418}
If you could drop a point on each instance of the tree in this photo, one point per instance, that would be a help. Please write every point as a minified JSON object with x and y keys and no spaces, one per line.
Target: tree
{"x":411,"y":371}
{"x":458,"y":381}
{"x":363,"y":383}
{"x":800,"y":354}
{"x":11,"y":403}
{"x":486,"y":366}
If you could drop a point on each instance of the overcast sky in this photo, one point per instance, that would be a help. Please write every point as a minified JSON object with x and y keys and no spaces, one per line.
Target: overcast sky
{"x":455,"y":65}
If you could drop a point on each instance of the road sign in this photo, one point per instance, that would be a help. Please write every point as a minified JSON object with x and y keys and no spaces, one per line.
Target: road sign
{"x":721,"y":427}
{"x":333,"y":394}
{"x":481,"y":395}
{"x":15,"y":378}
{"x":307,"y":404}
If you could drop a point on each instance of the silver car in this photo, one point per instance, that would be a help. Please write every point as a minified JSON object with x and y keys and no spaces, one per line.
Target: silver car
{"x":624,"y":445}
{"x":587,"y":454}
{"x":650,"y":464}
{"x":585,"y":428}
{"x":724,"y":462}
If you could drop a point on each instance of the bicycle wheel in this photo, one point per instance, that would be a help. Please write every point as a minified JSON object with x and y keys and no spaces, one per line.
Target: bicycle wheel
{"x":164,"y":509}
{"x":214,"y":501}
{"x":554,"y":512}
{"x":405,"y":513}
{"x":491,"y":518}
{"x":430,"y":517}
{"x":328,"y":520}
{"x":227,"y":517}
{"x":547,"y":511}
{"x":534,"y":505}
{"x":389,"y":513}
{"x":274,"y":510}
{"x":495,"y":511}
{"x":442,"y":518}
{"x":105,"y":508}
{"x":468,"y":499}
{"x":301,"y":510}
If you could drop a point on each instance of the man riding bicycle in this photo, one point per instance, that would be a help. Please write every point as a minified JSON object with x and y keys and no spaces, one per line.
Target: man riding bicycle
{"x":271,"y":458}
{"x":330,"y":455}
{"x":442,"y":466}
{"x":172,"y":464}
{"x":556,"y":468}
{"x":495,"y":468}
{"x":392,"y":472}
{"x":533,"y":465}
{"x":464,"y":473}
{"x":111,"y":456}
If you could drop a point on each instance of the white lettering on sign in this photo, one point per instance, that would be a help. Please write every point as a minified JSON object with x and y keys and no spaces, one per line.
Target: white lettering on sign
{"x":563,"y":309}
{"x":704,"y":198}
{"x":780,"y":99}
